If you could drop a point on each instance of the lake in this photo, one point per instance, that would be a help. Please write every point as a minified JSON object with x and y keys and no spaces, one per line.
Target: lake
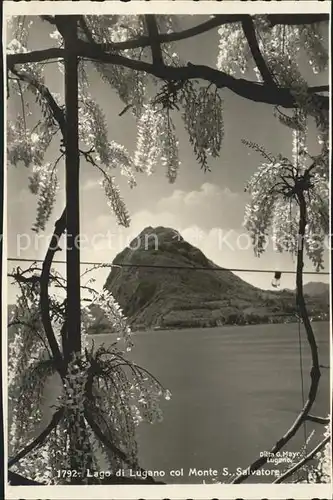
{"x":235,"y":392}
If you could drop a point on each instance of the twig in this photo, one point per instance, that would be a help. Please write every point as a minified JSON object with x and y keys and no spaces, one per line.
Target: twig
{"x":50,"y":19}
{"x":244,"y":88}
{"x":44,"y":296}
{"x":153,"y":35}
{"x":315,"y":370}
{"x":28,"y":325}
{"x":306,"y":459}
{"x":216,"y":21}
{"x":318,"y":420}
{"x":38,"y":441}
{"x":86,"y":30}
{"x":94,"y":426}
{"x":250,"y":34}
{"x":296,"y":19}
{"x":126,"y":108}
{"x":18,"y":480}
{"x":57,"y":112}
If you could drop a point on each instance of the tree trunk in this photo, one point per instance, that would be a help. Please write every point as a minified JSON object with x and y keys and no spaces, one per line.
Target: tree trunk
{"x":299,"y":291}
{"x":315,"y":371}
{"x":73,"y":343}
{"x":72,"y":333}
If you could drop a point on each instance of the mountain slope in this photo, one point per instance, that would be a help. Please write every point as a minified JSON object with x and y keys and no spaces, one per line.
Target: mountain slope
{"x":175,"y":298}
{"x":165,"y":298}
{"x":316,"y":288}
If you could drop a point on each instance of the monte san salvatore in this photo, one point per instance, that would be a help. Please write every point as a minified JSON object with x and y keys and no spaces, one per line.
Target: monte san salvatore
{"x":167,"y":283}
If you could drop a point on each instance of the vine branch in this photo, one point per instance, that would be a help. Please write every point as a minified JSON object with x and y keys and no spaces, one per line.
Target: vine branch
{"x":153,"y":37}
{"x":214,"y":22}
{"x":250,"y":35}
{"x":60,"y":226}
{"x":39,"y":440}
{"x":315,"y":369}
{"x":318,"y":420}
{"x":57,"y":112}
{"x":278,"y":96}
{"x":302,"y":462}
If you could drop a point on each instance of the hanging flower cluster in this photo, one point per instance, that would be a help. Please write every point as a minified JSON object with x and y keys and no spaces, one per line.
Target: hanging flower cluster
{"x":168,"y":24}
{"x":19,"y":148}
{"x":234,"y":51}
{"x":169,"y":146}
{"x":129,"y":84}
{"x":26,"y":398}
{"x":279,"y":46}
{"x":299,"y":142}
{"x":92,"y":127}
{"x":285,"y":226}
{"x":311,"y":38}
{"x":94,"y":134}
{"x":33,"y":70}
{"x":115,"y":201}
{"x":28,"y":366}
{"x":87,"y":320}
{"x":25,"y":320}
{"x":28,"y":146}
{"x":102,"y":28}
{"x":113,"y":313}
{"x":18,"y":29}
{"x":55,"y":453}
{"x":259,"y":212}
{"x":273,"y":206}
{"x":156,"y":140}
{"x":74,"y":386}
{"x":38,"y":465}
{"x":319,"y":469}
{"x":317,"y":228}
{"x":123,"y":395}
{"x":147,"y":151}
{"x":291,"y":121}
{"x":120,"y":158}
{"x":204,"y":122}
{"x":117,"y":393}
{"x":44,"y":182}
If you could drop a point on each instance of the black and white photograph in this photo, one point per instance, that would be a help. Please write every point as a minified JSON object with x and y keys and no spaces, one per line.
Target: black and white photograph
{"x":167,"y":249}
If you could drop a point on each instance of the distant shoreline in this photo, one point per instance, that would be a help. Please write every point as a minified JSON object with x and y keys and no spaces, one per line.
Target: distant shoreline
{"x":166,"y":329}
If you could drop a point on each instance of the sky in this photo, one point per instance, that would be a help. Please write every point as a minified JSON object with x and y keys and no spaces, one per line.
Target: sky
{"x":207,"y":208}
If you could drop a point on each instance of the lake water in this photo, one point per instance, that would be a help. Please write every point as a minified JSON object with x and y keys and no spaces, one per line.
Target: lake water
{"x":235,"y":392}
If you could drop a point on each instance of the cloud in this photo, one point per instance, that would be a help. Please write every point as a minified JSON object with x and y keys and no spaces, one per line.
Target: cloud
{"x":209,"y":218}
{"x":194,"y":214}
{"x":227,"y":247}
{"x":208,"y":207}
{"x":90,"y":184}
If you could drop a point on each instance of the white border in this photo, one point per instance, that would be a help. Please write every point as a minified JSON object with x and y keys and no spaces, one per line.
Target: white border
{"x":4,"y":283}
{"x":165,"y":7}
{"x":180,"y":492}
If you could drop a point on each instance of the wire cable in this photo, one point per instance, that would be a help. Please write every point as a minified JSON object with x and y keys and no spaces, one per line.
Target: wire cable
{"x":154,"y":266}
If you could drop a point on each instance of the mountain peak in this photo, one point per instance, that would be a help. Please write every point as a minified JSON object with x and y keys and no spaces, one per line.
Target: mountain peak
{"x":174,"y":296}
{"x":156,"y":235}
{"x":165,"y":246}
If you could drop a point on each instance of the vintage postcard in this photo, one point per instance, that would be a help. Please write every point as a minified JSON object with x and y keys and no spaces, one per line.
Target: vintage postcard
{"x":166,"y":250}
